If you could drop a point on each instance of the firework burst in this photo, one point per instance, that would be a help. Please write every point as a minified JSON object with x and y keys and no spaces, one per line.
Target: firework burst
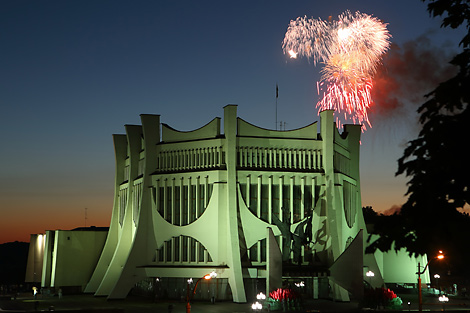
{"x":350,"y":48}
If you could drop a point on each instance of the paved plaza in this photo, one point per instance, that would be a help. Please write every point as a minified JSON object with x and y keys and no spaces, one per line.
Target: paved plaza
{"x":89,"y":303}
{"x":145,"y":305}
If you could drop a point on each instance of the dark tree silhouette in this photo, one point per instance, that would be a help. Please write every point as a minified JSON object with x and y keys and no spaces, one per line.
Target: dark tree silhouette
{"x":370,"y":216}
{"x":13,"y":258}
{"x":437,"y":161}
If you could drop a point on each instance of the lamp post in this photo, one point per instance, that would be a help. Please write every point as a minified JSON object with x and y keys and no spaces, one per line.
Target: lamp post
{"x":370,"y":274}
{"x":258,"y":306}
{"x":440,"y":256}
{"x":443,"y":299}
{"x":437,"y":276}
{"x":189,"y":296}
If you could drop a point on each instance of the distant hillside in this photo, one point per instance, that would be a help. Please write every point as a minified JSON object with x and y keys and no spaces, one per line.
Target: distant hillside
{"x":13,"y":259}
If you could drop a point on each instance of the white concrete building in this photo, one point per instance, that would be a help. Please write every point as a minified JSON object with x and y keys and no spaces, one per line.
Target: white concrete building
{"x":253,"y":205}
{"x":64,"y":259}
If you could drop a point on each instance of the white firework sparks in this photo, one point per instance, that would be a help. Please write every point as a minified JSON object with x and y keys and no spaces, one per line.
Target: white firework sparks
{"x":350,"y":49}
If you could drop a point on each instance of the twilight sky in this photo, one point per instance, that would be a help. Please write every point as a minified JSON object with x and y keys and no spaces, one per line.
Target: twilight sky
{"x":72,"y":73}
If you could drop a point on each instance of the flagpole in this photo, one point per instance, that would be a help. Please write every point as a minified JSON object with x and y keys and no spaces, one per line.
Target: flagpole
{"x":277,"y":95}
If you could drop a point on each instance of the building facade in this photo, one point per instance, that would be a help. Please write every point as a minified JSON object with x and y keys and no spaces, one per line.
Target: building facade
{"x":35,"y":258}
{"x":64,"y":259}
{"x":251,"y":204}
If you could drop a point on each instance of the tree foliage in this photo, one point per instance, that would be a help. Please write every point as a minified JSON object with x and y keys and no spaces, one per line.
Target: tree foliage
{"x":437,"y":161}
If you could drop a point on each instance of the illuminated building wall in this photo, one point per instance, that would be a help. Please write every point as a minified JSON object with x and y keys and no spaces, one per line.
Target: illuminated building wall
{"x":212,"y":199}
{"x":398,"y":268}
{"x":64,"y":258}
{"x":70,"y":257}
{"x":35,"y":257}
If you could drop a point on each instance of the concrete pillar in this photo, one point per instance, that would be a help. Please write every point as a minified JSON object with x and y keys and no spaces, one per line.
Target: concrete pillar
{"x":233,"y":242}
{"x":124,"y":244}
{"x":141,"y":247}
{"x":120,"y":152}
{"x":327,"y":133}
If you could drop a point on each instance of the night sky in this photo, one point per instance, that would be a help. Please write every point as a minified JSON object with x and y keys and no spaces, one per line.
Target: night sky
{"x":72,"y":73}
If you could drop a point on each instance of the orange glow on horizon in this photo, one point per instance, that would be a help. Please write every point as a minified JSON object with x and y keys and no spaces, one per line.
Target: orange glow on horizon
{"x":21,"y":221}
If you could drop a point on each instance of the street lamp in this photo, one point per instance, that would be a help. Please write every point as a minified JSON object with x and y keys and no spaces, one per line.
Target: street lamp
{"x":437,"y":276}
{"x":443,"y":299}
{"x":370,"y":274}
{"x":440,"y":256}
{"x":189,"y":296}
{"x":256,"y":306}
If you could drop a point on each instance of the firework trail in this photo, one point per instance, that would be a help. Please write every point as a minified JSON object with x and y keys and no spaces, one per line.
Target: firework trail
{"x":350,"y":49}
